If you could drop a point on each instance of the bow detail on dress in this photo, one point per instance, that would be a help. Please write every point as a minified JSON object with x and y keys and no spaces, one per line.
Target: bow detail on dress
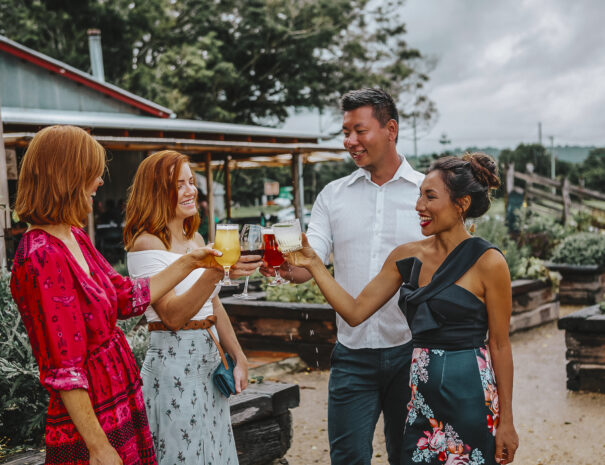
{"x":414,"y":301}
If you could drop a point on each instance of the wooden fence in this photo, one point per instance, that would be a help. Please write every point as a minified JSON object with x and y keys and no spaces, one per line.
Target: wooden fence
{"x":556,"y":197}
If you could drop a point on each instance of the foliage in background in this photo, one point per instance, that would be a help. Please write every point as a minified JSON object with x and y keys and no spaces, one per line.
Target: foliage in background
{"x":306,"y":293}
{"x":541,"y":233}
{"x":521,"y":263}
{"x":581,"y":249}
{"x":245,"y":61}
{"x":137,"y":336}
{"x":23,"y":400}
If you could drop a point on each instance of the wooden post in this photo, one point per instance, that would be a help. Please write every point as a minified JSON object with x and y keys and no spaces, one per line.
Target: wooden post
{"x":510,"y":182}
{"x":91,"y":225}
{"x":228,"y":186}
{"x":297,"y":188}
{"x":4,"y":199}
{"x":210,"y":193}
{"x":566,"y":199}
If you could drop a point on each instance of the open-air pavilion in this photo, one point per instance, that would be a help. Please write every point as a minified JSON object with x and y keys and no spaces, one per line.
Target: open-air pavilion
{"x":37,"y":91}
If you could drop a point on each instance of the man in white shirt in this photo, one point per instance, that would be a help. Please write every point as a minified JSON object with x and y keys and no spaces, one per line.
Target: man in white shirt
{"x":361,"y":218}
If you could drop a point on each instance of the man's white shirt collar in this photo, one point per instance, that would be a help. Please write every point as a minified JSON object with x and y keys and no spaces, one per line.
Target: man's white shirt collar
{"x":405,"y":171}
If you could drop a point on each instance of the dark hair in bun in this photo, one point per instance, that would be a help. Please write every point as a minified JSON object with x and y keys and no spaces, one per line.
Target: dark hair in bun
{"x":474,"y":174}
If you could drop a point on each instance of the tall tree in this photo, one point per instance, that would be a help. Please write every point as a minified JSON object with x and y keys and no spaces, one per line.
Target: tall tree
{"x":245,"y":61}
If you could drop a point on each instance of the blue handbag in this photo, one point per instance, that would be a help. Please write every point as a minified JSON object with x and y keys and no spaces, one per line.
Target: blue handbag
{"x":223,"y":377}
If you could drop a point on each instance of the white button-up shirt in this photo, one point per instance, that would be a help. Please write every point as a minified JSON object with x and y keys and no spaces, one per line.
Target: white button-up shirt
{"x":361,"y":223}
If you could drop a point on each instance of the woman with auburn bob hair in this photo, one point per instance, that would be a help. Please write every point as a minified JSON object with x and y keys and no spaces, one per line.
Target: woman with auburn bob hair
{"x":189,"y":418}
{"x":69,"y":298}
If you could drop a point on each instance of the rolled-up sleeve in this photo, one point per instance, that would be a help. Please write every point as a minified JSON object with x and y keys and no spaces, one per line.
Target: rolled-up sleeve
{"x":51,"y":313}
{"x":319,"y":232}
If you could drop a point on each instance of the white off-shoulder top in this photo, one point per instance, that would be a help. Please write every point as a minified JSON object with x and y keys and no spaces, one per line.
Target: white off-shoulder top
{"x":145,"y":263}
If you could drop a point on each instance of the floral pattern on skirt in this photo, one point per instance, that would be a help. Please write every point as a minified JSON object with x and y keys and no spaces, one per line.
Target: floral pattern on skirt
{"x":453,"y":413}
{"x":189,"y":418}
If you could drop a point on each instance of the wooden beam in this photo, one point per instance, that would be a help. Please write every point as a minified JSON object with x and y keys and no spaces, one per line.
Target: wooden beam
{"x":227,"y":169}
{"x":4,"y":199}
{"x":210,"y":193}
{"x":297,"y":188}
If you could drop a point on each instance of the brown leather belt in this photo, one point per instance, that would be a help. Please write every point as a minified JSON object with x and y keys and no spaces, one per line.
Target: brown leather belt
{"x":206,"y":324}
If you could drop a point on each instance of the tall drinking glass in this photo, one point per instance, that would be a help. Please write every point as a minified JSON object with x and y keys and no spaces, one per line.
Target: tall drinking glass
{"x":251,"y":243}
{"x":226,"y":240}
{"x":273,"y":257}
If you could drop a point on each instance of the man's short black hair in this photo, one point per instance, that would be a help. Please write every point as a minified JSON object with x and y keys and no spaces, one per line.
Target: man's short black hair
{"x":382,"y":103}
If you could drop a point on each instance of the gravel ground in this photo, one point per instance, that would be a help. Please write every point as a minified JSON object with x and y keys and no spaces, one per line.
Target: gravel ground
{"x":555,"y":426}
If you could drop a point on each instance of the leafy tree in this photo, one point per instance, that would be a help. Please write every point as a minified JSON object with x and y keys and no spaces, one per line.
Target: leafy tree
{"x":244,"y":61}
{"x":58,"y":28}
{"x":592,"y":170}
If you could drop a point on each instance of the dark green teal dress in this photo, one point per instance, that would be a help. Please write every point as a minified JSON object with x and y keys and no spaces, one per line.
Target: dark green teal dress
{"x":453,"y":412}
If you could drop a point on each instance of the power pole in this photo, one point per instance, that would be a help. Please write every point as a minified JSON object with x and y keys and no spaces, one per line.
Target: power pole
{"x":415,"y":138}
{"x":540,"y":132}
{"x":552,"y":161}
{"x":552,"y":157}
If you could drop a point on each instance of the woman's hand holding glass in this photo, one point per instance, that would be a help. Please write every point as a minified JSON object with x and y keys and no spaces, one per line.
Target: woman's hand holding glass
{"x":204,"y":257}
{"x":305,"y":257}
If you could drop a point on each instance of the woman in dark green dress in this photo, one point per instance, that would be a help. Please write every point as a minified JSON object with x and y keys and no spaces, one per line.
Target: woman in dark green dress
{"x":453,"y":288}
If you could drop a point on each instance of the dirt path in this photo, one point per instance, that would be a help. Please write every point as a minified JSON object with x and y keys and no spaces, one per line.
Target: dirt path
{"x":555,"y":426}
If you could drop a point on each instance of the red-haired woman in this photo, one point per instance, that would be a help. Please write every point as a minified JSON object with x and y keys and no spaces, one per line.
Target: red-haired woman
{"x":189,"y":418}
{"x":69,"y":298}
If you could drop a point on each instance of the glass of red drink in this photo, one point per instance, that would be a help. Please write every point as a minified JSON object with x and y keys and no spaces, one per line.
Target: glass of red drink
{"x":273,"y":257}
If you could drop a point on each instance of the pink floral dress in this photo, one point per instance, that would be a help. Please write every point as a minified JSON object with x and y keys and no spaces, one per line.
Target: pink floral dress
{"x":70,"y":318}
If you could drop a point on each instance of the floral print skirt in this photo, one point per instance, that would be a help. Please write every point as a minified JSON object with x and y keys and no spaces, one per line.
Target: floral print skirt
{"x":189,"y":418}
{"x":453,"y":413}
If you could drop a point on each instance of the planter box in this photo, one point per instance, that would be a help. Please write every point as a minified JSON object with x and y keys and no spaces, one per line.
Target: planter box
{"x":310,"y":329}
{"x":306,"y":329}
{"x":580,"y":284}
{"x":261,"y":420}
{"x":585,"y":341}
{"x":534,"y":303}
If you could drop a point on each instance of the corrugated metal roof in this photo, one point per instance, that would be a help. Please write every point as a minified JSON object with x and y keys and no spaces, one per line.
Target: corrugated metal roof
{"x":69,"y":72}
{"x":134,"y":122}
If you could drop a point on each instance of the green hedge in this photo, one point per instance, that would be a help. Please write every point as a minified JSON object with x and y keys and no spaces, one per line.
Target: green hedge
{"x":581,"y":249}
{"x":23,"y":400}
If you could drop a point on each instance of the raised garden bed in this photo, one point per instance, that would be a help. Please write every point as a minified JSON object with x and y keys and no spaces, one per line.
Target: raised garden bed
{"x":306,"y":329}
{"x":261,"y":420}
{"x":310,"y":329}
{"x":534,"y":303}
{"x":585,"y":341}
{"x":580,"y":284}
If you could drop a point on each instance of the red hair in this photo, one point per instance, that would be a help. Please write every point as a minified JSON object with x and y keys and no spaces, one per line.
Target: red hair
{"x":152,"y":199}
{"x":60,"y":163}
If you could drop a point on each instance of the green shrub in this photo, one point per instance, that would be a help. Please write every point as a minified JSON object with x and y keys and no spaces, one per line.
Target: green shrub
{"x":306,"y":293}
{"x":521,"y":263}
{"x":541,"y":233}
{"x":581,"y":249}
{"x":137,"y":336}
{"x":23,"y":400}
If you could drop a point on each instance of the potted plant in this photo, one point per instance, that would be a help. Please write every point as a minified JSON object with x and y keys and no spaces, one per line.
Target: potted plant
{"x":585,"y":341}
{"x":580,"y":258}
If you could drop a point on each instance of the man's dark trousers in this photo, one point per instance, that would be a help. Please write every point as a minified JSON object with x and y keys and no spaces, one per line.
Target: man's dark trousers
{"x":364,"y":382}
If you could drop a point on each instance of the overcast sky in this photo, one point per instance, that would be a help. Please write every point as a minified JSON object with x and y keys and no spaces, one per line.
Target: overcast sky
{"x":504,"y":65}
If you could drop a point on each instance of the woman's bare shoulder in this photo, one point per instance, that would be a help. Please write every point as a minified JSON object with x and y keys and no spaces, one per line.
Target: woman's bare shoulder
{"x":410,"y":249}
{"x":199,"y":240}
{"x":147,"y":241}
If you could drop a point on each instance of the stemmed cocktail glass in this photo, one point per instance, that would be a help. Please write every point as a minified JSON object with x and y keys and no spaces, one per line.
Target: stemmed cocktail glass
{"x":251,"y":243}
{"x":273,"y":257}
